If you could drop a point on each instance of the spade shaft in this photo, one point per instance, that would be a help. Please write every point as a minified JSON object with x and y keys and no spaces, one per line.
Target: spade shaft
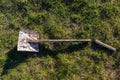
{"x":60,"y":40}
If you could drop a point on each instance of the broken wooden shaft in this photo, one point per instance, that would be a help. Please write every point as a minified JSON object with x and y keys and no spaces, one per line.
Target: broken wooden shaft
{"x":104,"y":45}
{"x":60,"y":40}
{"x":74,"y":40}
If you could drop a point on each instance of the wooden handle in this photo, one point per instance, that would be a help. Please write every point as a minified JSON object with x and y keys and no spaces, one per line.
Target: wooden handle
{"x":74,"y":40}
{"x":60,"y":40}
{"x":104,"y":45}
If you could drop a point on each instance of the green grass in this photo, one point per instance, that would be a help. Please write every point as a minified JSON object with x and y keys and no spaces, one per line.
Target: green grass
{"x":60,"y":19}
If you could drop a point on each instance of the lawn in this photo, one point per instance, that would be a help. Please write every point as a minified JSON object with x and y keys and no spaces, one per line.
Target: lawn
{"x":60,"y":19}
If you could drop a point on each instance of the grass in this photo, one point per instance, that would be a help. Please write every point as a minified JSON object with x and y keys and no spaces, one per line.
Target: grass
{"x":61,"y":19}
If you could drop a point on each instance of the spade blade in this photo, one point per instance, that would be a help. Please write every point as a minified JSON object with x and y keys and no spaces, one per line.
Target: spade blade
{"x":24,"y":45}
